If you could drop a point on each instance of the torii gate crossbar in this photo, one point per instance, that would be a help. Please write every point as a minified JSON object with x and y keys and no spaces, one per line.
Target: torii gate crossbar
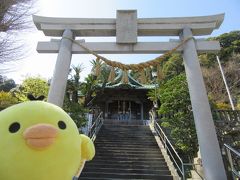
{"x":127,"y":27}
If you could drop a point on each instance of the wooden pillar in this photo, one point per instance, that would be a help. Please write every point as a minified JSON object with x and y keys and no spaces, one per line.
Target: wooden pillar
{"x":130,"y":110}
{"x":106,"y":109}
{"x":141,"y":111}
{"x":207,"y":138}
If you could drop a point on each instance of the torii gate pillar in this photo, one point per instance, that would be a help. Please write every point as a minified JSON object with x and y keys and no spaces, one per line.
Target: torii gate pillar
{"x":206,"y":133}
{"x":59,"y":80}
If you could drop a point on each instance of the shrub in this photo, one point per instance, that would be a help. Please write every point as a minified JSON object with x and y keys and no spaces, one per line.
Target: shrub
{"x":6,"y":100}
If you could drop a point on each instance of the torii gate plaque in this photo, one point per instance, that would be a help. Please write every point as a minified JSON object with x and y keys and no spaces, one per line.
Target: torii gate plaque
{"x":127,"y":27}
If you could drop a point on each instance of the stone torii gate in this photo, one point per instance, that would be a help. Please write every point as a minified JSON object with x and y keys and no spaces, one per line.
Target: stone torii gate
{"x":127,"y":27}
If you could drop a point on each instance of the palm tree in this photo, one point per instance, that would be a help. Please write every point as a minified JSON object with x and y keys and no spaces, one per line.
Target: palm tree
{"x":89,"y":88}
{"x":104,"y":71}
{"x":71,"y":101}
{"x":73,"y":84}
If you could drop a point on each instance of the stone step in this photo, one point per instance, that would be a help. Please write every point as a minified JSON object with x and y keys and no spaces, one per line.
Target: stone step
{"x":124,"y":176}
{"x":111,"y":138}
{"x":128,"y":171}
{"x":131,"y":148}
{"x":143,"y":137}
{"x":130,"y":130}
{"x":99,"y":178}
{"x":135,"y":140}
{"x":159,"y":166}
{"x":127,"y":146}
{"x":123,"y":140}
{"x":124,"y":126}
{"x":128,"y":162}
{"x":129,"y":158}
{"x":126,"y":152}
{"x":136,"y":144}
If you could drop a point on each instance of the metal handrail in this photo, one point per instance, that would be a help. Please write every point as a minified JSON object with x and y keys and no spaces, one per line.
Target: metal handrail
{"x":96,"y":126}
{"x":166,"y":141}
{"x":233,"y":150}
{"x":229,"y":151}
{"x":171,"y":150}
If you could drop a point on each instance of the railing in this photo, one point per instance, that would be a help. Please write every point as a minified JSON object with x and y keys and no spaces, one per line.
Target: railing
{"x":234,"y":162}
{"x":170,"y":149}
{"x":226,"y":116}
{"x":175,"y":158}
{"x":96,"y":126}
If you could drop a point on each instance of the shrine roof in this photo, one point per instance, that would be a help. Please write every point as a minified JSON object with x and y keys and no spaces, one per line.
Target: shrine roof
{"x":132,"y":83}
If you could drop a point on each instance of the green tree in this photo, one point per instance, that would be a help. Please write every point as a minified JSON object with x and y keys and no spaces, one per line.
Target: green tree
{"x":207,"y":60}
{"x":173,"y":66}
{"x":230,"y":59}
{"x":76,"y":111}
{"x":175,"y":101}
{"x":73,"y":83}
{"x":104,"y":71}
{"x":6,"y":84}
{"x":6,"y":100}
{"x":89,"y":88}
{"x":71,"y":101}
{"x":153,"y":95}
{"x":229,"y":42}
{"x":36,"y":86}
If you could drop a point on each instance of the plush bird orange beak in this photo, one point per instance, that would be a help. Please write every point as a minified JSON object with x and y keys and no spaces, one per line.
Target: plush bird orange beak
{"x":40,"y":136}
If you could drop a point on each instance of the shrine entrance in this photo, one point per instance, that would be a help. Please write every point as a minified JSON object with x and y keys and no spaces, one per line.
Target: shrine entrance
{"x":124,"y":111}
{"x":124,"y":103}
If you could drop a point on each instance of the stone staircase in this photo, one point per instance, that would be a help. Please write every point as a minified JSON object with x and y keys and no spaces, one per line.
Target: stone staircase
{"x":126,"y":152}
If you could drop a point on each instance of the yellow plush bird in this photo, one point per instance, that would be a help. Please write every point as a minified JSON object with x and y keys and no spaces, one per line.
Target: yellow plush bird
{"x":39,"y":141}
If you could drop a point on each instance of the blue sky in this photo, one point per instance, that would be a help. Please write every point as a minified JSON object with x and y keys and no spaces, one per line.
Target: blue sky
{"x":43,"y":64}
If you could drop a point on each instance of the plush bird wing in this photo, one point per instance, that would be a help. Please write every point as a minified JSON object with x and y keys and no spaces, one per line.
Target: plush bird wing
{"x":87,"y":148}
{"x":88,"y":152}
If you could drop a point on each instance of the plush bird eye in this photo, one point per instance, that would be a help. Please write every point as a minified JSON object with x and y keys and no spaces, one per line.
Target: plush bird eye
{"x":62,"y":125}
{"x":14,"y":127}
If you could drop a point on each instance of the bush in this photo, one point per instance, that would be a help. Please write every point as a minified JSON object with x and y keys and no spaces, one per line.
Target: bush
{"x":6,"y":100}
{"x":175,"y":100}
{"x":222,"y":106}
{"x":36,"y":86}
{"x":76,"y":111}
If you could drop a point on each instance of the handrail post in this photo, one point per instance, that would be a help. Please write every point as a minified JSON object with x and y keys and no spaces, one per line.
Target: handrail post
{"x":229,"y":150}
{"x":230,"y":162}
{"x":165,"y":144}
{"x":183,"y":171}
{"x":229,"y":157}
{"x":96,"y":126}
